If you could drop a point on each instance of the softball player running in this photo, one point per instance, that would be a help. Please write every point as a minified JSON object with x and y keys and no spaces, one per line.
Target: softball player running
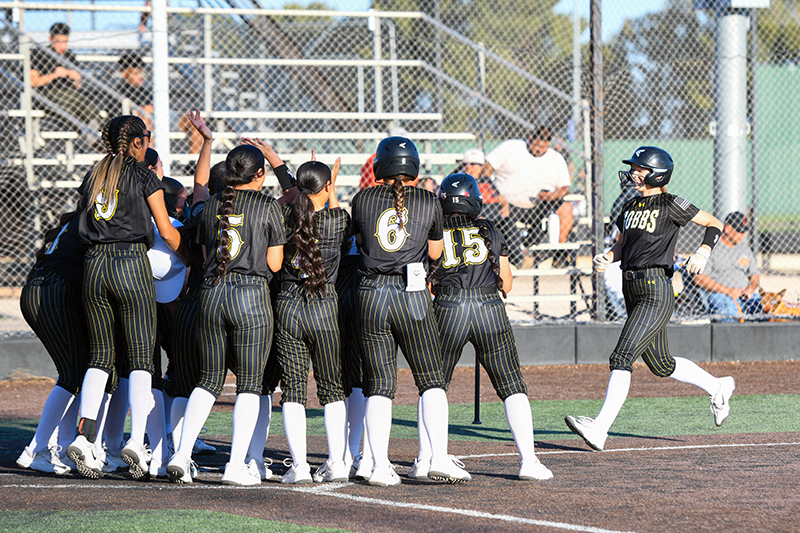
{"x":399,"y":228}
{"x":473,"y":271}
{"x":51,"y":304}
{"x":242,"y":230}
{"x":119,"y":196}
{"x":649,"y":230}
{"x":307,"y":319}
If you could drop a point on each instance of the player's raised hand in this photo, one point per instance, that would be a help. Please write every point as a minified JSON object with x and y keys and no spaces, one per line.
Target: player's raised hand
{"x":199,"y":124}
{"x":335,"y":170}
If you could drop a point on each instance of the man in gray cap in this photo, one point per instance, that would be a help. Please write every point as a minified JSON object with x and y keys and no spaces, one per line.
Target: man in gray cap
{"x":730,"y":279}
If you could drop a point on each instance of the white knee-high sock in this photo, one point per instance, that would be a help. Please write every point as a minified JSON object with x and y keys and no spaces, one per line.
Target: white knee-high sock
{"x":102,"y":417}
{"x":167,"y":410}
{"x":355,"y":420}
{"x":92,"y":391}
{"x":261,"y":432}
{"x":197,"y":410}
{"x":378,"y":427}
{"x":140,"y":396}
{"x":618,"y":385}
{"x":520,"y":421}
{"x":55,"y":406}
{"x":294,"y":424}
{"x":366,"y":447}
{"x":425,"y":451}
{"x":68,"y":426}
{"x":436,"y":415}
{"x":113,"y":434}
{"x":336,"y":430}
{"x":688,"y":372}
{"x":245,"y":416}
{"x":176,"y":418}
{"x":157,"y":429}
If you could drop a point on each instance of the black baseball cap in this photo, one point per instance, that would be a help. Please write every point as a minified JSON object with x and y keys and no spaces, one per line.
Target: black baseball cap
{"x":737,"y":220}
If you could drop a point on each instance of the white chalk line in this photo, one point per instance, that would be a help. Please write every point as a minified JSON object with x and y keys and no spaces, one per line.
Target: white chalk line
{"x":641,"y":449}
{"x":329,"y":489}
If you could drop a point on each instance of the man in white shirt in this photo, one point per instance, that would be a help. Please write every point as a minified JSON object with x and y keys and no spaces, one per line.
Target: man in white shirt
{"x":532,"y":179}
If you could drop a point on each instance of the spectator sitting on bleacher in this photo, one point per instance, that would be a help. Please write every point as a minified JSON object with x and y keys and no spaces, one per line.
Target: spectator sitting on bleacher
{"x":472,"y":163}
{"x":731,"y":276}
{"x":59,"y":83}
{"x":132,"y":86}
{"x":532,"y":179}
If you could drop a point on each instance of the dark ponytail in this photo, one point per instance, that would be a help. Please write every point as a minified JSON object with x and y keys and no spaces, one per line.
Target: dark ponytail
{"x":241,"y":167}
{"x":312,"y":177}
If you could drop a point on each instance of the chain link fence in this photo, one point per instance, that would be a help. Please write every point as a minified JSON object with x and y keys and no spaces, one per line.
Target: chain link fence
{"x":456,"y":76}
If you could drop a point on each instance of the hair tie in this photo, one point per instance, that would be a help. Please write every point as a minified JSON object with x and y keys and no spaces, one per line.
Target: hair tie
{"x":303,"y":190}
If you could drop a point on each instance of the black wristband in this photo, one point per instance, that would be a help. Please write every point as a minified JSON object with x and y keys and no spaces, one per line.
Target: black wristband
{"x":285,"y":178}
{"x":711,"y":237}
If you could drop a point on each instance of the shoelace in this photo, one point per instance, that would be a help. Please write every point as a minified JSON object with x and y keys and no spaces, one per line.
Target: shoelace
{"x":456,"y":461}
{"x":267,"y":461}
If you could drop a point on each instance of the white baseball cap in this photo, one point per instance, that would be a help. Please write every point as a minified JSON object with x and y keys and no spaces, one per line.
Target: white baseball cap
{"x":474,"y":156}
{"x":169,"y":272}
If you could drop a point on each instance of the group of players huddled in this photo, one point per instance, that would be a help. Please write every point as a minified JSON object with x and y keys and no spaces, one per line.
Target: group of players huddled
{"x":268,"y":287}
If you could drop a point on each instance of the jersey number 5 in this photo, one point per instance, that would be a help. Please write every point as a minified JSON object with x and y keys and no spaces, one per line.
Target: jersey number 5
{"x":474,"y":251}
{"x":236,"y":238}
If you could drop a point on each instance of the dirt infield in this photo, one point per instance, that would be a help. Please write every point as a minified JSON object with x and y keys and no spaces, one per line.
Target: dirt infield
{"x":718,"y":482}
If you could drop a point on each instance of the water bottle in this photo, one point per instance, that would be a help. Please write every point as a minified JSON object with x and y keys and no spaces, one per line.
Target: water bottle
{"x":553,"y":228}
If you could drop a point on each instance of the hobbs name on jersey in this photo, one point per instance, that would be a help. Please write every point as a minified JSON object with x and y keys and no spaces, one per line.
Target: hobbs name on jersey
{"x":644,"y":220}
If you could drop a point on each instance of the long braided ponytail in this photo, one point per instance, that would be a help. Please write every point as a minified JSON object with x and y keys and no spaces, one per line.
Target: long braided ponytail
{"x":116,"y":138}
{"x":312,"y":177}
{"x":241,"y":166}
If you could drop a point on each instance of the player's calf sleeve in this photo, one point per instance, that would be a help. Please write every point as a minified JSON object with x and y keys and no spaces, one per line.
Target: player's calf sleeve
{"x":261,"y":431}
{"x":520,"y":421}
{"x":688,"y":372}
{"x":294,"y":424}
{"x":245,"y":417}
{"x":378,"y":426}
{"x":618,"y":385}
{"x":336,"y":430}
{"x":436,"y":415}
{"x":425,"y":451}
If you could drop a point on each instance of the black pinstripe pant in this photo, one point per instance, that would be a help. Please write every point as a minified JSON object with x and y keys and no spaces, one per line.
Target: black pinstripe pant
{"x":479,"y":316}
{"x":118,"y":292}
{"x":650,"y":302}
{"x":52,"y":308}
{"x":392,"y":316}
{"x":349,"y":327}
{"x":184,"y":367}
{"x":308,"y":333}
{"x":237,"y":309}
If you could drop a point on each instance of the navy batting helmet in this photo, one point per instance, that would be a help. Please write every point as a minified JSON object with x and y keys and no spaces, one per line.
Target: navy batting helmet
{"x":396,"y":156}
{"x":657,"y":161}
{"x":459,"y":193}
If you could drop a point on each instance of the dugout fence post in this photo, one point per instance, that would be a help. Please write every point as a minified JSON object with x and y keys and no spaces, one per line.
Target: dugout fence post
{"x":477,"y":419}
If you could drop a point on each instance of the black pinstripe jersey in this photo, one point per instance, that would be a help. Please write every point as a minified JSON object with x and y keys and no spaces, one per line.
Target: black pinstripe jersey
{"x":123,"y":216}
{"x":196,"y":261}
{"x":385,"y":248}
{"x":649,"y":227}
{"x":64,"y":255}
{"x":256,"y":224}
{"x":332,"y":228}
{"x":465,"y":259}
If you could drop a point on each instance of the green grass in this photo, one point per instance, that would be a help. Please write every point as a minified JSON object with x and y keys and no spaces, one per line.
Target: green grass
{"x":640,"y":416}
{"x":141,"y":521}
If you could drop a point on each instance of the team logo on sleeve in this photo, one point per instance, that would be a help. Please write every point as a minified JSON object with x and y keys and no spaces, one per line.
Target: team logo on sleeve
{"x":236,"y":238}
{"x":388,"y":232}
{"x":104,"y":210}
